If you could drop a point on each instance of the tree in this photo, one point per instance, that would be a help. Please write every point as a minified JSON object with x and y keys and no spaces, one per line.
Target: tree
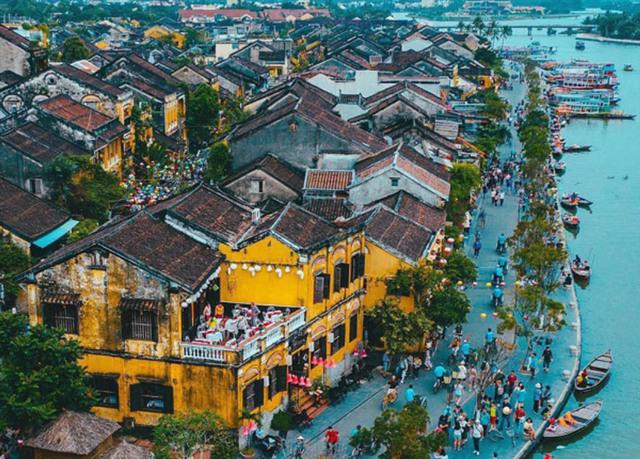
{"x":74,"y":49}
{"x":403,"y":433}
{"x":448,"y":306}
{"x":186,"y":434}
{"x":218,"y":162}
{"x":460,"y":268}
{"x":465,"y":178}
{"x":39,"y":374}
{"x":203,"y":113}
{"x":82,"y":187}
{"x":418,"y":281}
{"x":13,"y":261}
{"x":82,"y":230}
{"x":400,"y":330}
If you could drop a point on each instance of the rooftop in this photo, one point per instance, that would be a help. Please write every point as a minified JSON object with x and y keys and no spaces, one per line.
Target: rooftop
{"x":38,"y":143}
{"x":75,"y":113}
{"x":321,"y":179}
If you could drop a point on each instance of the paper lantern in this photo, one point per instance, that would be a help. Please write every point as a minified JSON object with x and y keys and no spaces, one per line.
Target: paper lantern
{"x":321,"y":361}
{"x":488,"y":284}
{"x":483,"y":315}
{"x":363,"y":353}
{"x":308,"y":382}
{"x":451,"y":240}
{"x":503,"y":284}
{"x":494,"y":314}
{"x":287,"y":269}
{"x":474,"y":284}
{"x":294,"y":380}
{"x":257,"y":267}
{"x":460,"y":282}
{"x":289,"y":379}
{"x":314,"y":360}
{"x":245,"y":266}
{"x":233,"y":266}
{"x":356,"y":352}
{"x":269,"y":268}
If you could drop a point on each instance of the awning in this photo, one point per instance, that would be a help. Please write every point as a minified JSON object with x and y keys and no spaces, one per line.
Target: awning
{"x":138,"y":304}
{"x":67,"y":299}
{"x":52,"y":236}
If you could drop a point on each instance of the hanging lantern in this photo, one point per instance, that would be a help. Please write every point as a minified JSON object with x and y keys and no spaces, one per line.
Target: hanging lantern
{"x":321,"y":361}
{"x":278,"y":272}
{"x":314,"y":360}
{"x":356,"y":352}
{"x":294,"y":380}
{"x":287,"y":269}
{"x":447,"y":250}
{"x":257,"y":267}
{"x":503,"y":284}
{"x":245,"y":266}
{"x":269,"y":268}
{"x":308,"y":382}
{"x":363,"y":353}
{"x":289,"y":379}
{"x":450,"y":240}
{"x":474,"y":284}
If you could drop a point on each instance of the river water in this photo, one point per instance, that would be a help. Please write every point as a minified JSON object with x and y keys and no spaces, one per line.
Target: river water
{"x":609,"y":237}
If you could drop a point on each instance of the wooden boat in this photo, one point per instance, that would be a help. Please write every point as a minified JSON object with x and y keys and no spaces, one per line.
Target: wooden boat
{"x":580,"y":45}
{"x":572,"y":221}
{"x":575,"y":148}
{"x":583,"y":417}
{"x":559,"y":166}
{"x":571,"y":201}
{"x":597,"y":372}
{"x":628,"y":68}
{"x":581,"y":270}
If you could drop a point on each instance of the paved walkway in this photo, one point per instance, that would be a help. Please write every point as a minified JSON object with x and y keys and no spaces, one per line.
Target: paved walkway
{"x":363,"y":405}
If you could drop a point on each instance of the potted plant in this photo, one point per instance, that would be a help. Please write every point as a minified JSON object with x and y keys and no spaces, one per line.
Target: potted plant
{"x":248,"y":452}
{"x":247,"y":430}
{"x":282,"y":422}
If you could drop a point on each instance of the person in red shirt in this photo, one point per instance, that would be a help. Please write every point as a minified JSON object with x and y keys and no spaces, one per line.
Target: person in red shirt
{"x":511,"y":381}
{"x":519,"y":418}
{"x":331,"y":437}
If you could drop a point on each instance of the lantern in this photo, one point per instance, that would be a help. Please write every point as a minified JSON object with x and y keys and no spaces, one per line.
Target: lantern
{"x":308,"y":382}
{"x":321,"y":361}
{"x":450,"y":240}
{"x":363,"y":353}
{"x":294,"y":380}
{"x":488,"y":284}
{"x":289,"y":378}
{"x":474,"y":284}
{"x":314,"y":360}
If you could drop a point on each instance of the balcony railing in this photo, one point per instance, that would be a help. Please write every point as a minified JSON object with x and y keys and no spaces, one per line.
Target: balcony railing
{"x":248,"y":348}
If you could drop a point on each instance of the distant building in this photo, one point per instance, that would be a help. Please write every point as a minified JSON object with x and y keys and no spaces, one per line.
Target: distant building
{"x":20,"y":55}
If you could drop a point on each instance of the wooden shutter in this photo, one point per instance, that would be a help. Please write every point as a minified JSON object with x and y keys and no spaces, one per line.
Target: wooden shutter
{"x":47,"y":314}
{"x":281,"y":378}
{"x":337,"y":277}
{"x":125,"y":319}
{"x":135,"y":397}
{"x":326,"y":286}
{"x":354,"y":267}
{"x":353,"y":327}
{"x":344,"y":275}
{"x":154,"y":326}
{"x":168,"y":399}
{"x":259,"y":393}
{"x":318,"y":288}
{"x":360,"y":265}
{"x":245,"y":396}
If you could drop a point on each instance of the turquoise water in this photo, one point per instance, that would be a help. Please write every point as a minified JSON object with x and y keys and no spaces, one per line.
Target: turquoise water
{"x":609,"y":236}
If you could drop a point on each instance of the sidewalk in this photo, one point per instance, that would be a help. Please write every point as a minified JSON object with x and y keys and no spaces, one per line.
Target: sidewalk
{"x":363,"y":405}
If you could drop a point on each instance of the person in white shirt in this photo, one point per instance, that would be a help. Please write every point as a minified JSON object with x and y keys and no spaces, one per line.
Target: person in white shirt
{"x":476,"y":434}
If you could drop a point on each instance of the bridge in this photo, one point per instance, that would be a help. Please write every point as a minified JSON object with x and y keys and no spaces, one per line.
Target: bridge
{"x":584,"y":27}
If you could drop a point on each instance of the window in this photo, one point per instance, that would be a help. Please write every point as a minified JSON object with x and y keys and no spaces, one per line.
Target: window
{"x":395,"y":181}
{"x":321,"y":287}
{"x":357,"y":266}
{"x":338,"y":338}
{"x":353,"y":327}
{"x":106,"y":390}
{"x":253,"y":395}
{"x":319,"y":349}
{"x":34,"y":185}
{"x":140,"y":325}
{"x":340,"y":276}
{"x":63,"y":316}
{"x":277,"y":380}
{"x":151,"y":397}
{"x":98,"y":260}
{"x":257,"y":186}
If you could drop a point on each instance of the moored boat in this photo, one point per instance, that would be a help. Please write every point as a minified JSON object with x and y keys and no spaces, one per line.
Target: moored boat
{"x":575,"y":148}
{"x":594,"y":374}
{"x":580,"y":45}
{"x":574,"y":421}
{"x":628,"y":68}
{"x":574,"y":200}
{"x":581,"y":269}
{"x":559,"y":166}
{"x":571,"y":221}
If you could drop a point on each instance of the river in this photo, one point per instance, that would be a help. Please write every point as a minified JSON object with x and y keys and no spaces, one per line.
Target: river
{"x":609,"y":175}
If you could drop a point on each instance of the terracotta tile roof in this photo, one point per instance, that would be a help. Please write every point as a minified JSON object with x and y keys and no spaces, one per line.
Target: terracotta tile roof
{"x":276,"y":168}
{"x":17,"y":39}
{"x":72,"y":299}
{"x":231,"y":13}
{"x":152,"y":245}
{"x":409,"y":206}
{"x":282,"y":14}
{"x":320,"y":179}
{"x":9,"y":78}
{"x":398,"y":234}
{"x":328,"y":208}
{"x":300,"y":88}
{"x":64,"y":107}
{"x":38,"y":143}
{"x":25,"y":214}
{"x":154,"y":91}
{"x":213,"y":212}
{"x":88,"y":80}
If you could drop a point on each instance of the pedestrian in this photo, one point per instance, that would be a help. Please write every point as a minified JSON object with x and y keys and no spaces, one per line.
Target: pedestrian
{"x":547,"y":358}
{"x":511,"y":382}
{"x":331,"y":438}
{"x":457,"y":436}
{"x":386,"y":362}
{"x":472,"y":377}
{"x":519,"y":417}
{"x":477,"y":245}
{"x":485,"y":420}
{"x":477,"y":434}
{"x":522,"y":393}
{"x":537,"y":397}
{"x":458,"y":390}
{"x":493,"y":416}
{"x":410,"y":394}
{"x":501,"y":196}
{"x":499,"y":391}
{"x":546,"y":395}
{"x":529,"y":431}
{"x":506,"y":414}
{"x":533,"y":365}
{"x":299,"y":448}
{"x":465,"y":348}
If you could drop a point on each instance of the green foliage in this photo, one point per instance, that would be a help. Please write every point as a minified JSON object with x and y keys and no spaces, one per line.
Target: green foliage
{"x":13,"y":261}
{"x":465,"y":178}
{"x":39,"y":374}
{"x":186,"y":434}
{"x":460,"y":268}
{"x":203,"y":113}
{"x":74,"y":49}
{"x":448,"y":306}
{"x":82,"y":230}
{"x":494,"y":106}
{"x":617,"y":25}
{"x":82,"y":187}
{"x":195,"y":36}
{"x":403,"y":433}
{"x":282,"y":421}
{"x":400,"y":330}
{"x":218,"y":162}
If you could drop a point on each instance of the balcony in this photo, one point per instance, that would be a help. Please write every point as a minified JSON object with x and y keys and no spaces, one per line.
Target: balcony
{"x":233,"y":352}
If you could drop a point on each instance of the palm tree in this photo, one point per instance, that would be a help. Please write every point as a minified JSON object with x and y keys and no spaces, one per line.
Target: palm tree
{"x":506,"y":32}
{"x":478,"y":25}
{"x":461,"y":26}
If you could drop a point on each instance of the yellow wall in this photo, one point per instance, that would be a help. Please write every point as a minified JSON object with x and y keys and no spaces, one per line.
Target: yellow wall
{"x":159,"y":32}
{"x":381,"y":265}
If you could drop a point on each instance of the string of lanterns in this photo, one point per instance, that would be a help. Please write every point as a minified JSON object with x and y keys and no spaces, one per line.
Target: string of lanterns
{"x":256,"y":268}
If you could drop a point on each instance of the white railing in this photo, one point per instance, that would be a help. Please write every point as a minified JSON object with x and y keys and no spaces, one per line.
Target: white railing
{"x":204,"y":352}
{"x":297,"y":321}
{"x":250,"y":348}
{"x":273,"y":335}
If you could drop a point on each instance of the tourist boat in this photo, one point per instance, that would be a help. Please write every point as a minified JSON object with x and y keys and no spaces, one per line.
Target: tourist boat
{"x":580,"y":45}
{"x":575,"y":148}
{"x":581,"y":270}
{"x":559,"y":167}
{"x":571,"y":221}
{"x":582,"y":417}
{"x":628,"y":68}
{"x":574,"y":200}
{"x":597,"y":372}
{"x":611,"y":115}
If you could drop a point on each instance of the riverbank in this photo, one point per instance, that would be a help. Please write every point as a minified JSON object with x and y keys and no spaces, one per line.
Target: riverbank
{"x":601,"y":39}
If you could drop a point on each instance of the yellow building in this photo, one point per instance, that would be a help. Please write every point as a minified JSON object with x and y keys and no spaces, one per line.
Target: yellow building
{"x":203,"y":303}
{"x":158,"y":32}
